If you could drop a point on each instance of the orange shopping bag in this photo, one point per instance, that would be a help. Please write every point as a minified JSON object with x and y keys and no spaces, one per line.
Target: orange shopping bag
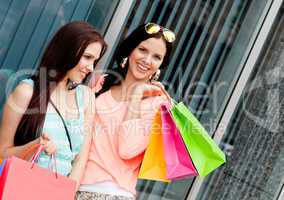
{"x":154,"y":165}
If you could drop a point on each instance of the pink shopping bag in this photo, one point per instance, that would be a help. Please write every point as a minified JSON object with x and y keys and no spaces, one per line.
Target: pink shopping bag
{"x":25,"y":180}
{"x":178,"y":162}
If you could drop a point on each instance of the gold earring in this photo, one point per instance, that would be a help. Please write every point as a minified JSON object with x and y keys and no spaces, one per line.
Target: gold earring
{"x":155,"y":76}
{"x":124,"y":61}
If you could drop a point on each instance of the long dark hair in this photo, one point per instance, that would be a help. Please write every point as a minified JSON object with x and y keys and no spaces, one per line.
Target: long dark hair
{"x":115,"y":75}
{"x":61,"y":55}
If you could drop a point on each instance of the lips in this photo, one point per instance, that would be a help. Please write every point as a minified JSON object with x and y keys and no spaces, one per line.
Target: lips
{"x":83,"y":74}
{"x":142,"y":68}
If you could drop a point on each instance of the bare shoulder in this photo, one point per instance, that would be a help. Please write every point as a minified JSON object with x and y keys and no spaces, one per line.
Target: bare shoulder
{"x":23,"y":92}
{"x":20,"y":98}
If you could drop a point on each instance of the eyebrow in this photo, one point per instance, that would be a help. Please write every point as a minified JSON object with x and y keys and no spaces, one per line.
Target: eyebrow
{"x":157,"y":54}
{"x":90,"y":54}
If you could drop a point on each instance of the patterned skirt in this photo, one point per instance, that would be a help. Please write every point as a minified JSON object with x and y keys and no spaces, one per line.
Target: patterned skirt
{"x":99,"y":196}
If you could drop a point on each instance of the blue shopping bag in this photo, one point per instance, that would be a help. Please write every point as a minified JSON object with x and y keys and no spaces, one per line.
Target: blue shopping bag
{"x":2,"y":166}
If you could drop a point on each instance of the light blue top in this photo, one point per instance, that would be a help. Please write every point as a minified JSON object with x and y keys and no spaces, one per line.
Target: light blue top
{"x":54,"y":127}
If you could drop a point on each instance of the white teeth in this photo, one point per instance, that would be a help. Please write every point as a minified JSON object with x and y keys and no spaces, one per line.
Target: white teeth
{"x":142,"y":67}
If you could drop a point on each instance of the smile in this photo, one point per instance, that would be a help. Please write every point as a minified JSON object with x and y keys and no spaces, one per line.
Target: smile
{"x":142,"y":68}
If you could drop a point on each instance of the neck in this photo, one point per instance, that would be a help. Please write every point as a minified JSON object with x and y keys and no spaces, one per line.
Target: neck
{"x":62,"y":85}
{"x":127,"y":85}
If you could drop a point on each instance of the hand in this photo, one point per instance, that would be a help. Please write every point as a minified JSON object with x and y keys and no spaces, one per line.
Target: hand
{"x":148,"y":90}
{"x":48,"y":144}
{"x":97,"y":82}
{"x":144,"y":89}
{"x":163,"y":90}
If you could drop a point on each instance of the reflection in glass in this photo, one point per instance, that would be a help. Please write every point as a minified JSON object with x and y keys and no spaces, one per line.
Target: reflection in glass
{"x":212,"y":39}
{"x":254,"y":141}
{"x":101,"y":14}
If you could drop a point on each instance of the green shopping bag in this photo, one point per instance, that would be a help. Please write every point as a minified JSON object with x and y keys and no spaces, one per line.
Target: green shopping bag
{"x":204,"y":152}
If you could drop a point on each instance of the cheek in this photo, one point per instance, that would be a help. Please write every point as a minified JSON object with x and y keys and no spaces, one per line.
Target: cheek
{"x":156,"y":65}
{"x":135,"y":55}
{"x":82,"y":63}
{"x":131,"y":60}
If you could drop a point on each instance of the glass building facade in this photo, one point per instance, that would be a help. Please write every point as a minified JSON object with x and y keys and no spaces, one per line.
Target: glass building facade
{"x":227,"y":66}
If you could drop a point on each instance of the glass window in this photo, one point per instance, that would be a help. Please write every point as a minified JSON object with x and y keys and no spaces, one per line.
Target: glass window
{"x":212,"y":40}
{"x":101,"y":14}
{"x":26,"y":26}
{"x":254,"y":141}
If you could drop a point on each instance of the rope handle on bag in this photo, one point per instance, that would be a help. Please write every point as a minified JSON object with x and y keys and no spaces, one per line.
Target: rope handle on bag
{"x":169,"y":98}
{"x":36,"y":156}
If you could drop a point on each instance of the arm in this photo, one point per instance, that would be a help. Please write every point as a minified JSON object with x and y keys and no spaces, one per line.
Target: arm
{"x":135,"y":129}
{"x":14,"y":109}
{"x":82,"y":158}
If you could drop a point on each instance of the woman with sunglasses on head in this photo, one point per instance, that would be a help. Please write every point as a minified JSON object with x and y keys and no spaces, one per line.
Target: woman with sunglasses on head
{"x":125,"y":109}
{"x":52,"y":108}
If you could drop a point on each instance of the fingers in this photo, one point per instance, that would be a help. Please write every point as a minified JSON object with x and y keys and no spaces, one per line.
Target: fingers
{"x":162,"y":87}
{"x":49,"y":148}
{"x":45,"y":136}
{"x":97,"y":82}
{"x":152,"y":93}
{"x":158,"y":84}
{"x":48,"y":144}
{"x":100,"y":82}
{"x":154,"y":88}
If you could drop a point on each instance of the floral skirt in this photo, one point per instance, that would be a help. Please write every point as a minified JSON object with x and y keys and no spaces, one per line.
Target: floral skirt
{"x":99,"y":196}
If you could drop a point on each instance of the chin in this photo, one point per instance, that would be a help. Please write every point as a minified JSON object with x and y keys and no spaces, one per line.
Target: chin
{"x":139,"y":76}
{"x":77,"y":80}
{"x":142,"y":80}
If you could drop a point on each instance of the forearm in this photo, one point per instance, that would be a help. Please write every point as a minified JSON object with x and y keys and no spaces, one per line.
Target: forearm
{"x":77,"y":171}
{"x":80,"y":162}
{"x":18,"y":151}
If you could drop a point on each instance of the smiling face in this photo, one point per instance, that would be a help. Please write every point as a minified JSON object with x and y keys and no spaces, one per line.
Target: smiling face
{"x":146,"y":59}
{"x":86,"y":63}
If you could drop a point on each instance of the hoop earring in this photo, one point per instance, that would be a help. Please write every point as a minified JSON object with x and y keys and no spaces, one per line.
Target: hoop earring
{"x":123,"y":62}
{"x":155,"y":76}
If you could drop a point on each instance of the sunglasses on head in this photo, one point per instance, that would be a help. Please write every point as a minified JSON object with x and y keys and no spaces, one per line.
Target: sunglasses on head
{"x":152,"y":28}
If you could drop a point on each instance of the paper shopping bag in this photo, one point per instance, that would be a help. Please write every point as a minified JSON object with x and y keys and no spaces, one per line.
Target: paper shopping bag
{"x":2,"y":166}
{"x":178,"y":161}
{"x":23,"y":180}
{"x":153,"y":165}
{"x":204,"y":152}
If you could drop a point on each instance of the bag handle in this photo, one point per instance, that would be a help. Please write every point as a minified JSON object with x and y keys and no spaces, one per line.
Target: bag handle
{"x":52,"y":158}
{"x":169,"y":98}
{"x":63,"y":121}
{"x":36,"y":155}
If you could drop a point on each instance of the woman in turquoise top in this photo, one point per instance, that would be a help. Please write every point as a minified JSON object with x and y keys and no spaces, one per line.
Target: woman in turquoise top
{"x":52,"y":108}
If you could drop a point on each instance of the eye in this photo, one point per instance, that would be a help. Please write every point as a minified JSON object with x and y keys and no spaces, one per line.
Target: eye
{"x":142,"y":49}
{"x":157,"y":57}
{"x":88,"y":57}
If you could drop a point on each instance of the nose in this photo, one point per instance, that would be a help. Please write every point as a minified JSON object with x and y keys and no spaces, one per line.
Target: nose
{"x":147,"y":59}
{"x":90,"y":67}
